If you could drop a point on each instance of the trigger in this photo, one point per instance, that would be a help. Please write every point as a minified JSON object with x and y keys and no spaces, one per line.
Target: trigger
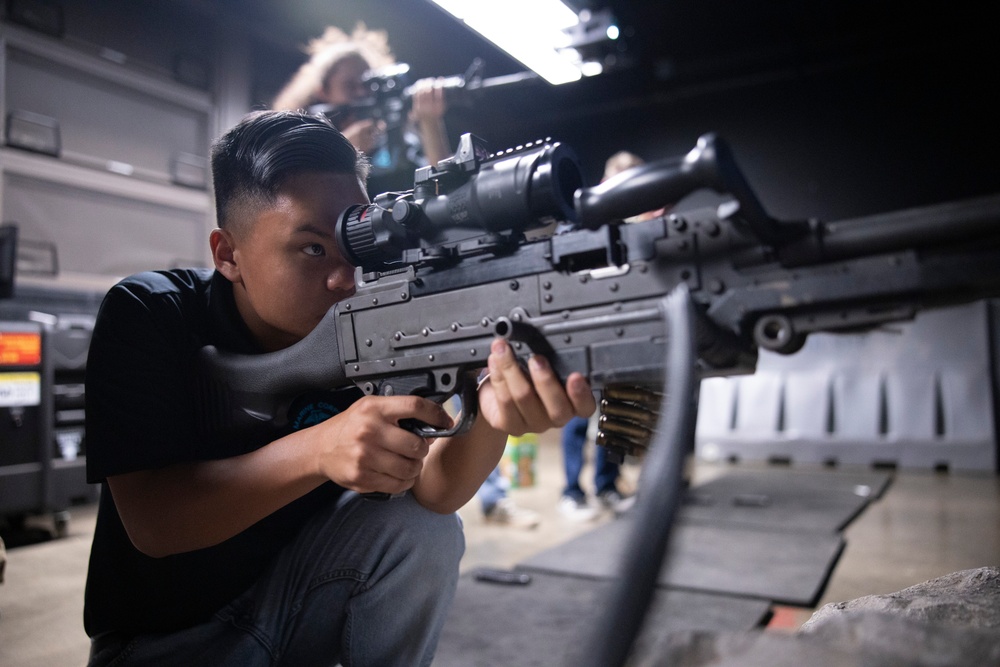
{"x":418,"y":427}
{"x":470,"y":410}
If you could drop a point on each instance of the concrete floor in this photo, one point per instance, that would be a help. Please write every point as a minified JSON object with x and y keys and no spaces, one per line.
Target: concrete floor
{"x":926,"y":525}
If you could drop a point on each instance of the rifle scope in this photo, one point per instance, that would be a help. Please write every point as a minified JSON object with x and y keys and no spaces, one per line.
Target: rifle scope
{"x":472,"y":194}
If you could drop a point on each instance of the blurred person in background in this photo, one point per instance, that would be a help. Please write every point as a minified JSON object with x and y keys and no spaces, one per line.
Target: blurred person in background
{"x":333,"y":82}
{"x":574,"y":502}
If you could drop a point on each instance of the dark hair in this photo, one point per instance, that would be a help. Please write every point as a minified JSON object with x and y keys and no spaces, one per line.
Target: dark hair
{"x":252,"y":160}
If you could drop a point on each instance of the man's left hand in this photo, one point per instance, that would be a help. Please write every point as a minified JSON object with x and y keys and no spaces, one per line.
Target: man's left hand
{"x":516,"y":403}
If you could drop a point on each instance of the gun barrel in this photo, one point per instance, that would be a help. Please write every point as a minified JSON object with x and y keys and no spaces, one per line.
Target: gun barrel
{"x":459,"y":89}
{"x":927,"y":227}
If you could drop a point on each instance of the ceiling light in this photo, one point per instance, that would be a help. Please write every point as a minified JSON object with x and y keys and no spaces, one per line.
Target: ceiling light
{"x":531,"y":31}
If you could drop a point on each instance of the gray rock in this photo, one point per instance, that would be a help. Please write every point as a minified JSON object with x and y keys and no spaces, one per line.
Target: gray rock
{"x":968,"y":599}
{"x":952,"y":621}
{"x":867,"y":639}
{"x":748,"y":649}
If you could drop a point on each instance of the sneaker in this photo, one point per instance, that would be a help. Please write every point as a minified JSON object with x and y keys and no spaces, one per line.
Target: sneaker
{"x":577,"y":509}
{"x":507,"y":513}
{"x":615,"y":501}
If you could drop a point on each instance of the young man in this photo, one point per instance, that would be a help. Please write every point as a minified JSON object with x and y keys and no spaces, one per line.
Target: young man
{"x":260,"y":550}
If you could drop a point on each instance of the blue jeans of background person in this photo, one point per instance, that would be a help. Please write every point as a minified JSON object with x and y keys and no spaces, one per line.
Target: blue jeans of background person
{"x":364,"y":583}
{"x":492,"y":490}
{"x":574,"y":437}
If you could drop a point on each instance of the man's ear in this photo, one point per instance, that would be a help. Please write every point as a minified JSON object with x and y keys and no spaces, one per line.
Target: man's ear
{"x":223,"y":254}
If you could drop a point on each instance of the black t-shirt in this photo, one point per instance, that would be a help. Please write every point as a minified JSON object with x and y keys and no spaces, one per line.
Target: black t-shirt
{"x":142,"y":413}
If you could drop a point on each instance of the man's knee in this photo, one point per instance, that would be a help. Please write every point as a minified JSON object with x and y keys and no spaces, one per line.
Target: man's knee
{"x":435,"y":536}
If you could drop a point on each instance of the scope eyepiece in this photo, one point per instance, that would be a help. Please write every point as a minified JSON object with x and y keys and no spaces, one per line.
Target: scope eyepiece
{"x":356,"y":236}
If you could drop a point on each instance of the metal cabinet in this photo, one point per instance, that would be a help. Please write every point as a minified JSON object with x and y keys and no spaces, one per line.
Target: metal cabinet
{"x":104,"y":172}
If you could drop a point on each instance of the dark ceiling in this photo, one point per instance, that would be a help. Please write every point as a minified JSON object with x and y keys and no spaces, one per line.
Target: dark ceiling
{"x":666,"y":44}
{"x":833,"y":107}
{"x":827,"y":97}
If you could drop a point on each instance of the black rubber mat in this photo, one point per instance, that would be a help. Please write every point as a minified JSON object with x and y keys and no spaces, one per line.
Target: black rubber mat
{"x":784,"y":498}
{"x":545,"y":622}
{"x":743,"y":541}
{"x":778,"y":565}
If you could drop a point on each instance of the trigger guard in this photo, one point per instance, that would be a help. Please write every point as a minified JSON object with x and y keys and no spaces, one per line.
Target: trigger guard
{"x":470,"y":410}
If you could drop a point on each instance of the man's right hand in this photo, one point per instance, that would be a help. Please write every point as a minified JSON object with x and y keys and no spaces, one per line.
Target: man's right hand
{"x":190,"y":506}
{"x":366,"y":450}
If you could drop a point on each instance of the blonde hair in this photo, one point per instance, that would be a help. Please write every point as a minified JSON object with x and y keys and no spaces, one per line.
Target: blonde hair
{"x":326,"y":53}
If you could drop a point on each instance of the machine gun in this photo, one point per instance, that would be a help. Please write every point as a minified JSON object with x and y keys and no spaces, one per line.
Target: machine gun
{"x":468,"y":255}
{"x":642,"y":309}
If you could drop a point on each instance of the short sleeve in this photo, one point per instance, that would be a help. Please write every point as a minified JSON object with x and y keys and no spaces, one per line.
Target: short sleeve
{"x":139,"y":408}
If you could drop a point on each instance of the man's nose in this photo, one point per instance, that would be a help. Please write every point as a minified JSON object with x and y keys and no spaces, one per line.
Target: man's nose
{"x":340,"y":278}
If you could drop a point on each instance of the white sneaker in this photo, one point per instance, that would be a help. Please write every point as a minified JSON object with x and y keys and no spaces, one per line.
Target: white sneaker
{"x":507,"y":513}
{"x":616,"y":502}
{"x":577,"y":510}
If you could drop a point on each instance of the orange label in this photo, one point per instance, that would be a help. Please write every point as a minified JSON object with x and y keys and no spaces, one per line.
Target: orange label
{"x":20,"y":349}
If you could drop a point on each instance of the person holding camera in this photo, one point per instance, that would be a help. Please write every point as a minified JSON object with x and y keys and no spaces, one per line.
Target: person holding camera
{"x":333,"y":81}
{"x":255,"y":548}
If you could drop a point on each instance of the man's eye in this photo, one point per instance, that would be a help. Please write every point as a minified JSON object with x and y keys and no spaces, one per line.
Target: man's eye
{"x":315,"y":250}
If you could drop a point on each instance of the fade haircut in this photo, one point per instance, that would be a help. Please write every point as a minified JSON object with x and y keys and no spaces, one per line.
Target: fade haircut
{"x":252,"y":161}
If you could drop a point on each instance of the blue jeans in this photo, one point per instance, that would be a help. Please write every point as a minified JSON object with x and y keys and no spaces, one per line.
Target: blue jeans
{"x":492,"y":490}
{"x":574,"y":437}
{"x":364,"y":583}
